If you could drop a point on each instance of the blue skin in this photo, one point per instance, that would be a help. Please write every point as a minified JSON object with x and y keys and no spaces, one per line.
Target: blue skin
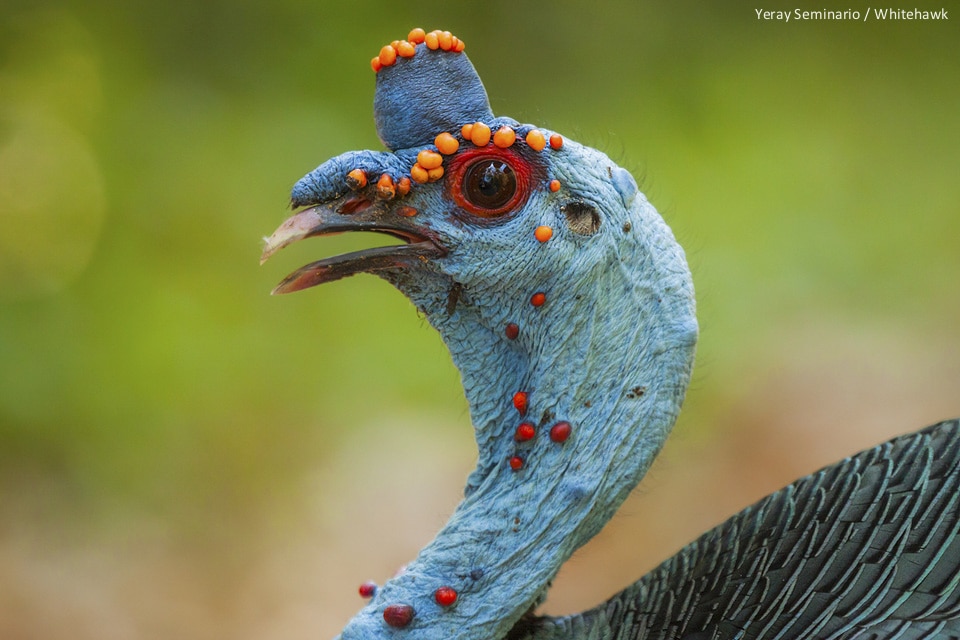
{"x":611,"y":351}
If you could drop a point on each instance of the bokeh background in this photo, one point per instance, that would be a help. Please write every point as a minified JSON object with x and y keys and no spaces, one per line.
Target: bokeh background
{"x":184,"y":456}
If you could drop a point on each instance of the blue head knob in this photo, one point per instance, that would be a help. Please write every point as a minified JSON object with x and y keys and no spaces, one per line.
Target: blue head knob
{"x":425,"y":85}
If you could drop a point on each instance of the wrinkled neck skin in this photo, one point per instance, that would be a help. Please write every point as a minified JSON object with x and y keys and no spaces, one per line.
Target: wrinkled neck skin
{"x":611,"y":353}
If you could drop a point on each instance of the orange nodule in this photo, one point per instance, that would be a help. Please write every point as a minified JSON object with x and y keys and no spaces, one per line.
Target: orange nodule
{"x":418,"y":174}
{"x":504,"y":137}
{"x":480,"y":135}
{"x":435,"y":174}
{"x":535,"y":140}
{"x":429,"y":159}
{"x":388,"y":55}
{"x":538,"y":299}
{"x":433,"y":41}
{"x":403,"y":186}
{"x":386,"y":189}
{"x":406,"y":49}
{"x":446,"y":144}
{"x":554,"y":185}
{"x":466,"y":130}
{"x":416,"y":35}
{"x":407,"y":212}
{"x":445,"y":40}
{"x":357,"y":179}
{"x":543,"y":233}
{"x":458,"y":44}
{"x":375,"y":64}
{"x":556,"y":141}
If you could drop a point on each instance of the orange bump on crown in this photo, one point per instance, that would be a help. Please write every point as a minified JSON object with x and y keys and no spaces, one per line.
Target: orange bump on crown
{"x":357,"y":179}
{"x":386,"y":189}
{"x":418,"y":174}
{"x":556,"y":141}
{"x":480,"y":134}
{"x":543,"y":233}
{"x":388,"y":55}
{"x":403,"y":186}
{"x":504,"y":137}
{"x":446,"y":144}
{"x":429,"y":159}
{"x":445,"y":40}
{"x":466,"y":130}
{"x":554,"y":185}
{"x":536,"y":140}
{"x":416,"y":35}
{"x":436,"y":39}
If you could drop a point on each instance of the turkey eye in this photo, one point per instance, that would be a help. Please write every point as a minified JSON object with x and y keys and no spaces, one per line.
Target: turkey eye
{"x":489,"y":185}
{"x":489,"y":182}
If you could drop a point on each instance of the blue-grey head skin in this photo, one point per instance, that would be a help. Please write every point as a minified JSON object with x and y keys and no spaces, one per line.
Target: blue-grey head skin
{"x":428,"y":92}
{"x":610,"y":350}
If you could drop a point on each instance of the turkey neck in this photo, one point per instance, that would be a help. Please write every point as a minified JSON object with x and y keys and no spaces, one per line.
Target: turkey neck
{"x":609,"y":352}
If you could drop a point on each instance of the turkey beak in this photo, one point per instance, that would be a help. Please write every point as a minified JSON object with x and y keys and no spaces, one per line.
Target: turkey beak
{"x":302,"y":224}
{"x":350,"y":214}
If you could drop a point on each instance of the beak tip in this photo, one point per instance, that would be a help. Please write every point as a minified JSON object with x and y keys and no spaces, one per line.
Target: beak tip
{"x":282,"y":288}
{"x":268,"y":250}
{"x":295,"y":228}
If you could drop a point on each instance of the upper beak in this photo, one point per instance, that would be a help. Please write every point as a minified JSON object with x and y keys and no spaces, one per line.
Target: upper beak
{"x":353,"y":214}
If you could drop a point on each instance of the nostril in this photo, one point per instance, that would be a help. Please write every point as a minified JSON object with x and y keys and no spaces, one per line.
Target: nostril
{"x":354,"y":205}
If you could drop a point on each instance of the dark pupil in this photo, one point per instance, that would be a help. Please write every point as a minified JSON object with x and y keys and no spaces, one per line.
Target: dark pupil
{"x":490,"y":184}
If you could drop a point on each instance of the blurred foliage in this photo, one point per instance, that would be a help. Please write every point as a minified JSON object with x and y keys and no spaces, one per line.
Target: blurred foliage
{"x":809,"y":169}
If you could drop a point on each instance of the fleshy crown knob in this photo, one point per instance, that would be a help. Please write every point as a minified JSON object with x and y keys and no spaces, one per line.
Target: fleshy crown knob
{"x":425,"y":84}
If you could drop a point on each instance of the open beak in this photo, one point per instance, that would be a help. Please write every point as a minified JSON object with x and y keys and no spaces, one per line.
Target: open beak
{"x":345,"y":215}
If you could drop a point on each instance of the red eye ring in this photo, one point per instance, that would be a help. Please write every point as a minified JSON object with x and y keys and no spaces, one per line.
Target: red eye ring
{"x":502,"y":175}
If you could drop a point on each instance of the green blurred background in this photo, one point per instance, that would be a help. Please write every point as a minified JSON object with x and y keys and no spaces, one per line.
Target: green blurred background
{"x":182,"y":455}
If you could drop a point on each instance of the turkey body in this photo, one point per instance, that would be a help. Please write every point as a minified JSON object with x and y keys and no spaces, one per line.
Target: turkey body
{"x":867,"y":548}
